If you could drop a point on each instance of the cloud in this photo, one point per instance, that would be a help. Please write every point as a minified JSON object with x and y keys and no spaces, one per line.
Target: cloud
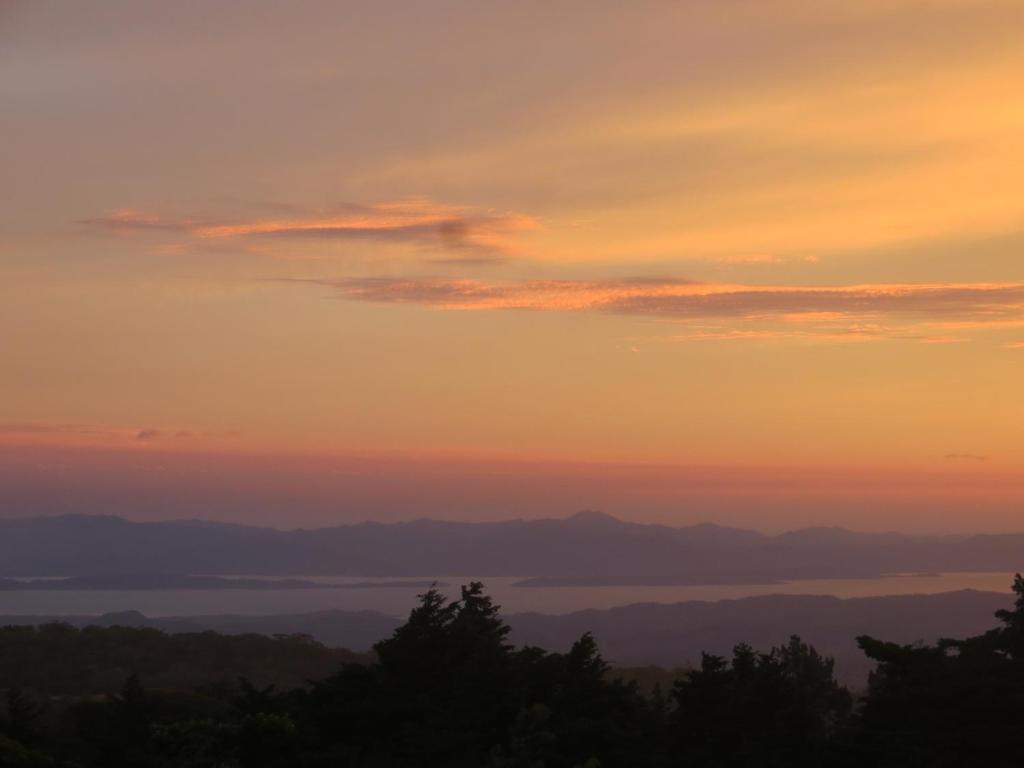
{"x":127,"y":219}
{"x":975,"y":302}
{"x":924,"y":313}
{"x":965,"y":457}
{"x":414,"y":220}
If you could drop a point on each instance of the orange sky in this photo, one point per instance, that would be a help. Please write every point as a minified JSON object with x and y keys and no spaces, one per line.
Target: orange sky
{"x":730,"y":237}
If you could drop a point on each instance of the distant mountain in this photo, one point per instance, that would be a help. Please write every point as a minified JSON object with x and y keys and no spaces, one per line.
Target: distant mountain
{"x":587,"y":548}
{"x":647,"y":634}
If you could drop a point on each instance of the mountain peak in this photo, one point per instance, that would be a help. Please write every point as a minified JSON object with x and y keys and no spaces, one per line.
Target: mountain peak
{"x":593,"y":517}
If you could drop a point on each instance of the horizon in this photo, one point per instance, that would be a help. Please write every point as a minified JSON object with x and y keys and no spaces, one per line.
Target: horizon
{"x":318,"y":489}
{"x":579,"y":515}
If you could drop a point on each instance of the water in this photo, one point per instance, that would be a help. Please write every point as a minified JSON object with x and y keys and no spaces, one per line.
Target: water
{"x":398,"y":600}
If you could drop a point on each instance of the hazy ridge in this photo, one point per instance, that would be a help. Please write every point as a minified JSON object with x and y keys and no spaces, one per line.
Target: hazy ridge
{"x":587,"y":548}
{"x":666,"y":635}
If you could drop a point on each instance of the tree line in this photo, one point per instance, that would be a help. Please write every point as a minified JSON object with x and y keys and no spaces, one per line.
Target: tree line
{"x":447,"y":689}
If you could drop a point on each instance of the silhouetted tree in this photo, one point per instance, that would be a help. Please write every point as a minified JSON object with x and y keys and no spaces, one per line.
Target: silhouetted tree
{"x":779,"y":708}
{"x":20,"y":721}
{"x":955,"y":703}
{"x":449,"y":689}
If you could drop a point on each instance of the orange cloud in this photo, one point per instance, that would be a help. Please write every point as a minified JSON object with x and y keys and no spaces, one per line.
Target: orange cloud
{"x":922,"y":313}
{"x":965,"y":457}
{"x":414,"y":220}
{"x":681,"y":298}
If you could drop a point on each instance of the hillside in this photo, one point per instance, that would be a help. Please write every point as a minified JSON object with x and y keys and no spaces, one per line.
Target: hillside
{"x":668,"y":635}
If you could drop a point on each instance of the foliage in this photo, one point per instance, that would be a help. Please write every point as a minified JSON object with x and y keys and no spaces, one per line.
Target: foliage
{"x":449,"y":689}
{"x":956,"y":703}
{"x":58,"y":659}
{"x":780,"y":708}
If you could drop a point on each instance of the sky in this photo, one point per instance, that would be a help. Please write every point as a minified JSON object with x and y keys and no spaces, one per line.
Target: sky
{"x":751,"y":262}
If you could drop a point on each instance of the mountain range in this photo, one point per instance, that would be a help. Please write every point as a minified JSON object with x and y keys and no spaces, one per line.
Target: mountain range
{"x":587,"y":548}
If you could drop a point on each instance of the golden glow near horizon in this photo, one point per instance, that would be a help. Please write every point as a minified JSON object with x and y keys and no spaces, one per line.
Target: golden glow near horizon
{"x":739,"y":234}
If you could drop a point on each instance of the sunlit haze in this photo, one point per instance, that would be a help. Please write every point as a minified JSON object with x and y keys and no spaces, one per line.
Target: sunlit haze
{"x":302,"y":264}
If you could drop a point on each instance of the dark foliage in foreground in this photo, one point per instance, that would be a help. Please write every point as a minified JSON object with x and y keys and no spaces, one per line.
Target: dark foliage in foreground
{"x":958,"y":703}
{"x":447,"y":689}
{"x":60,"y":660}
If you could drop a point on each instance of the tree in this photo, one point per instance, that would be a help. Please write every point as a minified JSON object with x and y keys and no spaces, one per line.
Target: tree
{"x":951,"y":704}
{"x":779,"y":708}
{"x":21,"y":721}
{"x":1010,"y":637}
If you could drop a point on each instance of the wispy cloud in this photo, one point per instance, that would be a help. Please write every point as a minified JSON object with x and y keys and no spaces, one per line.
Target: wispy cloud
{"x":688,"y":299}
{"x":924,"y":313}
{"x":414,"y":220}
{"x":965,"y":457}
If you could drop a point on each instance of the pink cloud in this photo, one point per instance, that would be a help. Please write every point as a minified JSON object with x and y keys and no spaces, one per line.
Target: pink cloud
{"x":416,"y":220}
{"x":978,"y":302}
{"x":924,"y":313}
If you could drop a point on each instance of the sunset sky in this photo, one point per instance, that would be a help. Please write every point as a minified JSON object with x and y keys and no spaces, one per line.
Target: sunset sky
{"x":756,"y":262}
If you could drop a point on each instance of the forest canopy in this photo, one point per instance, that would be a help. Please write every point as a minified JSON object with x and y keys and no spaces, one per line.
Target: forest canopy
{"x":448,"y":689}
